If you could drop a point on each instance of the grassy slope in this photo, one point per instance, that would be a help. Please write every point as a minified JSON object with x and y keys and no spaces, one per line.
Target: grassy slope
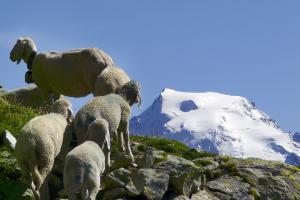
{"x":12,"y":118}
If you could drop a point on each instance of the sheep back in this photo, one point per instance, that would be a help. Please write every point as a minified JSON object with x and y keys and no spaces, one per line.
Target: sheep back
{"x":113,"y":108}
{"x":111,"y":79}
{"x":71,"y":73}
{"x":83,"y":161}
{"x":40,"y":134}
{"x":31,"y":96}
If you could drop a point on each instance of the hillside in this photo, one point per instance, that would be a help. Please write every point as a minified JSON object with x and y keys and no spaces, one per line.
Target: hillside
{"x":217,"y":123}
{"x":167,"y":169}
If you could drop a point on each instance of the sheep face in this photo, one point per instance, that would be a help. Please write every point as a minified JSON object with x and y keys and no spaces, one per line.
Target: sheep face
{"x":17,"y":52}
{"x":132,"y":92}
{"x":23,"y":49}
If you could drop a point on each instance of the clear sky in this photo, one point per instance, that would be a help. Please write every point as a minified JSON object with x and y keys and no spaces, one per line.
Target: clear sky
{"x":245,"y":48}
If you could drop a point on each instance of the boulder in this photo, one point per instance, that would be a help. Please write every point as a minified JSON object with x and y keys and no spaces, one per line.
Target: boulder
{"x":204,"y":195}
{"x":182,"y":173}
{"x":117,"y":178}
{"x":152,"y":183}
{"x":7,"y":139}
{"x":151,"y":157}
{"x":230,"y":187}
{"x":114,"y":194}
{"x":120,"y":160}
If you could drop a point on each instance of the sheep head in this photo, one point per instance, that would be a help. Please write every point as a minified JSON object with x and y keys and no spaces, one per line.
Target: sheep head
{"x":98,"y":132}
{"x":63,"y":107}
{"x":23,"y":49}
{"x":131,"y":92}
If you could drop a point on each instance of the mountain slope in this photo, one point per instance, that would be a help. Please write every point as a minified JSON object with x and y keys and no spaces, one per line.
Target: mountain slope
{"x":218,"y":123}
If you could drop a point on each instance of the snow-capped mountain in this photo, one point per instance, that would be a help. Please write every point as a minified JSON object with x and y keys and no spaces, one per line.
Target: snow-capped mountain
{"x":218,"y":123}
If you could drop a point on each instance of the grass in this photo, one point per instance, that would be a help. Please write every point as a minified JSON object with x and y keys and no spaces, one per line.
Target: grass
{"x":169,"y":146}
{"x":254,"y":193}
{"x":14,"y":117}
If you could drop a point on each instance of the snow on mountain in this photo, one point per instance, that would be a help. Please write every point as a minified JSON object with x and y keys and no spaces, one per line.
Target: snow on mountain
{"x":218,"y":123}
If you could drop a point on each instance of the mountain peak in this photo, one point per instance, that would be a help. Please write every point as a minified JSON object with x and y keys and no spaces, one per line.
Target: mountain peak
{"x":215,"y":122}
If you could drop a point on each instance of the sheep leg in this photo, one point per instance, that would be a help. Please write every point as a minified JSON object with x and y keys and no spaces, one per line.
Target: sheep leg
{"x":127,"y":144}
{"x":26,"y":175}
{"x":114,"y":135}
{"x":107,"y":157}
{"x":46,"y":161}
{"x":120,"y":141}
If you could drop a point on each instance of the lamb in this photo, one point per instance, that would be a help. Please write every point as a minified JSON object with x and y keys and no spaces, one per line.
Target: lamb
{"x":75,"y":73}
{"x":115,"y":109}
{"x":40,"y":141}
{"x":85,"y":163}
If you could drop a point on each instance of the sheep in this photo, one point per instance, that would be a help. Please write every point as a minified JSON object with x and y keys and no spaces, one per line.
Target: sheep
{"x":40,"y":141}
{"x":85,"y":164}
{"x":115,"y":109}
{"x":75,"y":73}
{"x":29,"y":96}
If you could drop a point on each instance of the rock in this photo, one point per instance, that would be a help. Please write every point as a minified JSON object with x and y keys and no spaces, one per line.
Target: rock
{"x":204,"y":195}
{"x":182,"y":173}
{"x":114,"y":194}
{"x":119,"y":160}
{"x":117,"y":178}
{"x":151,"y":183}
{"x":131,"y":190}
{"x":206,"y":162}
{"x":180,"y":197}
{"x":8,"y":139}
{"x":227,"y":187}
{"x":150,"y":157}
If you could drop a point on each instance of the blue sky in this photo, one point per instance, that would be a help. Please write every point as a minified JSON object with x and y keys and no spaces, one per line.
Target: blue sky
{"x":245,"y":48}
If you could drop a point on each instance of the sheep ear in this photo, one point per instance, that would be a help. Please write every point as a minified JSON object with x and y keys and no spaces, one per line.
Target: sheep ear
{"x":107,"y":141}
{"x":70,"y":118}
{"x":139,"y":101}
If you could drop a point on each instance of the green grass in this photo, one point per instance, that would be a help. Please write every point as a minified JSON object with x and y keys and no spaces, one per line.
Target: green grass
{"x":11,"y":190}
{"x":254,"y":193}
{"x":14,"y":117}
{"x":169,"y":146}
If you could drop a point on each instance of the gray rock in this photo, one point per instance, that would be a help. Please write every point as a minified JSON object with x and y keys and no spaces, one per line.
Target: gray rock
{"x":117,"y":178}
{"x":204,"y":195}
{"x":131,"y":190}
{"x":8,"y":139}
{"x":119,"y":160}
{"x":114,"y":194}
{"x":182,"y":173}
{"x":180,"y":197}
{"x":151,"y":183}
{"x":227,"y":187}
{"x":150,"y":157}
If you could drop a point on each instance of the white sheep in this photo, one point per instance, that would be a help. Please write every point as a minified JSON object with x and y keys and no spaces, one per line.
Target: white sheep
{"x":40,"y":141}
{"x":85,"y":164}
{"x":30,"y":96}
{"x":73,"y":73}
{"x":115,"y":109}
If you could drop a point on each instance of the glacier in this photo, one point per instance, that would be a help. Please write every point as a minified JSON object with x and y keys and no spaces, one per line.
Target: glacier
{"x":217,"y":123}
